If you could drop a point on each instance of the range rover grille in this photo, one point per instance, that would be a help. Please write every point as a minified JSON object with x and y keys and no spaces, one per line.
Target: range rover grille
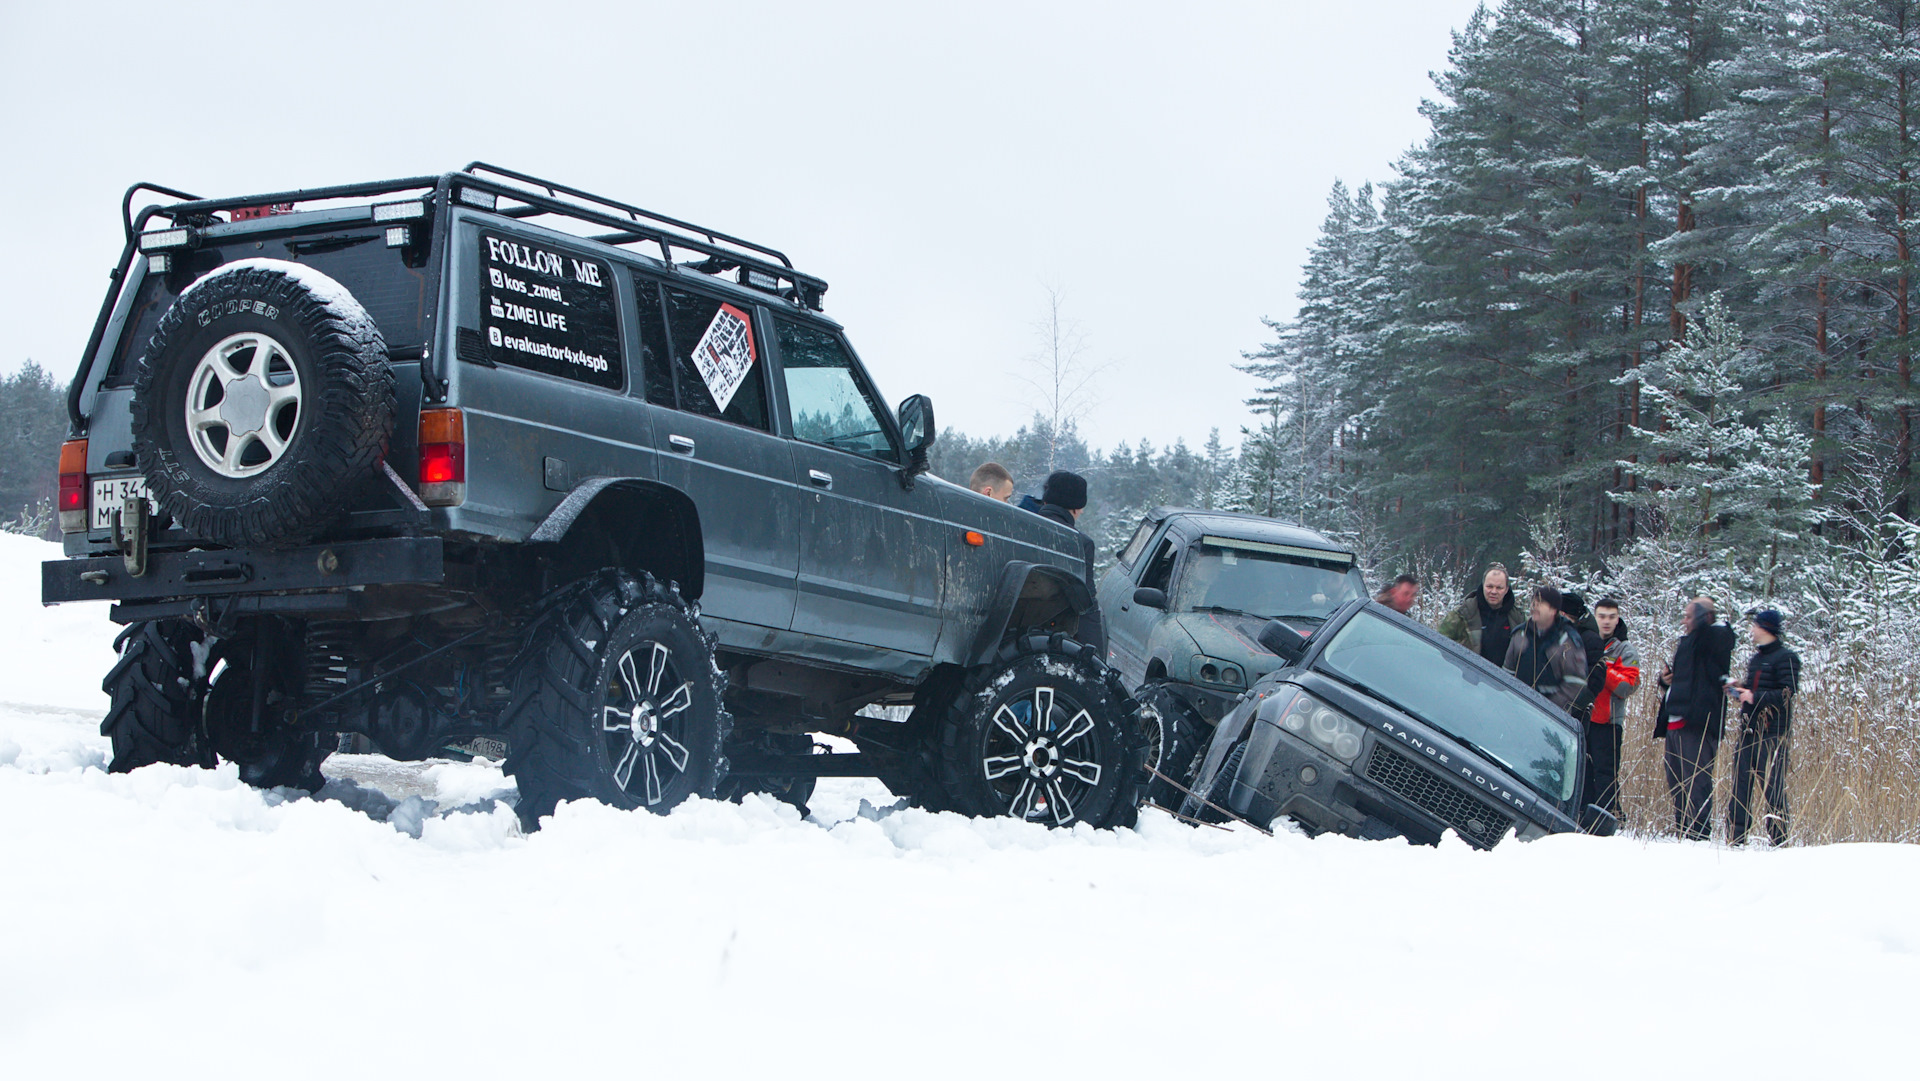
{"x":1477,"y":823}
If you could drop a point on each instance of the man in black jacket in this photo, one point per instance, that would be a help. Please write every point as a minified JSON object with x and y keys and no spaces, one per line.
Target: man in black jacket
{"x":1483,"y":621}
{"x":1062,"y":498}
{"x":1546,"y":651}
{"x":1766,"y":712}
{"x":1691,"y":715}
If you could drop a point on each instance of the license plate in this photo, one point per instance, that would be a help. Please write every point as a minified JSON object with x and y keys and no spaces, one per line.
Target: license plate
{"x":112,"y":495}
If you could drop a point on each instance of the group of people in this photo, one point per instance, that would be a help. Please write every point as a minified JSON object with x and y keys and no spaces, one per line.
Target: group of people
{"x":1063,"y":497}
{"x":1581,"y":660}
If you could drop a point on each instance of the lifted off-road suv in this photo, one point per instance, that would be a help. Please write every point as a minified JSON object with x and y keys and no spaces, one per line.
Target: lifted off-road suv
{"x":481,"y":457}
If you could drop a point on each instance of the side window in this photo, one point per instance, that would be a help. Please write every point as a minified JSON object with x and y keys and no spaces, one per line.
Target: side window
{"x":1160,"y":572}
{"x":657,"y":373}
{"x":1138,"y":544}
{"x":716,"y":362}
{"x":550,"y":311}
{"x":830,"y":403}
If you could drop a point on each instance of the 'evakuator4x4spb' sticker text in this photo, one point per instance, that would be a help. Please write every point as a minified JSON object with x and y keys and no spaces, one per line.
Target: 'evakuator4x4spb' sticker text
{"x":550,"y":311}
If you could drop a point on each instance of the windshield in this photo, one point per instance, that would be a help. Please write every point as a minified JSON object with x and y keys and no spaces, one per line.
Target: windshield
{"x":1264,"y":584}
{"x":1458,"y":696}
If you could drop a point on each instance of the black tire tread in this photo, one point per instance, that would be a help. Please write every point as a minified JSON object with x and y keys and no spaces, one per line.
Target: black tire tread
{"x":152,"y":717}
{"x":955,"y":757}
{"x":343,"y":440}
{"x":551,"y":680}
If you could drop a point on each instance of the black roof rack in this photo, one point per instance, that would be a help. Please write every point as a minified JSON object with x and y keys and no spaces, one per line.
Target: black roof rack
{"x":760,"y":268}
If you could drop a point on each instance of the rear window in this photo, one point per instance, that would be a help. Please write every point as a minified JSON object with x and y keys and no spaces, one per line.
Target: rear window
{"x":394,"y":293}
{"x":550,"y":310}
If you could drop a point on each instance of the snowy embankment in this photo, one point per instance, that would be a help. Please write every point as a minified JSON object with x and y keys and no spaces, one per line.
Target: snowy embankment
{"x":173,"y":922}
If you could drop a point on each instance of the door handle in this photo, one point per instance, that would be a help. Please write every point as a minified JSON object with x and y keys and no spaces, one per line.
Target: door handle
{"x":819,"y":479}
{"x":680,"y":443}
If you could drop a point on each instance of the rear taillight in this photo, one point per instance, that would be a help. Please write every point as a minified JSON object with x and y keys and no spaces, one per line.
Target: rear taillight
{"x":443,"y":457}
{"x":73,"y":486}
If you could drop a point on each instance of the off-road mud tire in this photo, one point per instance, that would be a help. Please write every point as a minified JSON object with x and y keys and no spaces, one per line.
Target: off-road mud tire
{"x":278,"y":754}
{"x":566,"y":677}
{"x":157,"y":696}
{"x":973,"y":738}
{"x":1175,"y":733}
{"x":345,"y":414}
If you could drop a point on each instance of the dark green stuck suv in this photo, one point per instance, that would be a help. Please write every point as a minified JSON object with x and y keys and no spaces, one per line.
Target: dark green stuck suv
{"x":1184,"y":605}
{"x":482,"y":460}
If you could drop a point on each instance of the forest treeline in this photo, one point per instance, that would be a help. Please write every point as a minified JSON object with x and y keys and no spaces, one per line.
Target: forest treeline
{"x":1507,"y":346}
{"x":33,"y":421}
{"x":1500,"y":332}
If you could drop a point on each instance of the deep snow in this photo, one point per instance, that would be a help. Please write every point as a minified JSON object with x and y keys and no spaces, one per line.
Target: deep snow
{"x":176,"y":923}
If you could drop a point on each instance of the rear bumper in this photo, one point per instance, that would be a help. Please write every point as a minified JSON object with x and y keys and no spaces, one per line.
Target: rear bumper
{"x":247,"y":572}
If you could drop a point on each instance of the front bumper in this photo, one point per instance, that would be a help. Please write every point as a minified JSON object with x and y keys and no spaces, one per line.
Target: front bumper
{"x":273,"y":579}
{"x":1384,"y":793}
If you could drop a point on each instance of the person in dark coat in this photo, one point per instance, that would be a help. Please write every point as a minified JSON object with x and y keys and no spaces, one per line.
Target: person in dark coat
{"x":1483,"y":621}
{"x":1613,"y":671}
{"x":1546,"y":652}
{"x":1691,"y":714}
{"x":1766,"y":716}
{"x":1062,"y":499}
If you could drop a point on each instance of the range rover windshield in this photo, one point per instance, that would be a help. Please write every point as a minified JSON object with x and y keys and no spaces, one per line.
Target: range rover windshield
{"x":1270,"y":581}
{"x":1459,"y":697}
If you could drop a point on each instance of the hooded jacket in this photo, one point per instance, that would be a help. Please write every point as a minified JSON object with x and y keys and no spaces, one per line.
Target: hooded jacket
{"x":1553,"y":663}
{"x":1468,"y":625}
{"x":1773,"y":675}
{"x":1698,"y":694}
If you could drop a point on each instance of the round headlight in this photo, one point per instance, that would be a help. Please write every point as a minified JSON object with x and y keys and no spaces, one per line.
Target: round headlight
{"x":1296,"y":718}
{"x":1324,"y":726}
{"x":1346,"y":745}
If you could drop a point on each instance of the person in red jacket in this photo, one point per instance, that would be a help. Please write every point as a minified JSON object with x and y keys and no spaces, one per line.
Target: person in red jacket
{"x":1613,"y":673}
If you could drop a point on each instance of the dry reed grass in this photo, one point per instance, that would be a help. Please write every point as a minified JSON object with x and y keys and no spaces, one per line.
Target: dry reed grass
{"x":1854,"y":775}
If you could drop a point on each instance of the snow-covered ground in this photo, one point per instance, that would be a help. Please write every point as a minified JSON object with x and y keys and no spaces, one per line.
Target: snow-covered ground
{"x":173,"y":922}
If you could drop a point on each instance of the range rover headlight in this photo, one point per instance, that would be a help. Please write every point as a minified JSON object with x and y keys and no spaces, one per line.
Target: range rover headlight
{"x":1325,"y":727}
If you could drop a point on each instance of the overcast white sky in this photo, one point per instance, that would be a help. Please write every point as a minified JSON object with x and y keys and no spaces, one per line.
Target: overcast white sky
{"x":1164,"y":165}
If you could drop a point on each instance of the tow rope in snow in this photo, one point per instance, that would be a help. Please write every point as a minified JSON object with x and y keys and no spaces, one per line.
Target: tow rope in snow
{"x":1204,"y":800}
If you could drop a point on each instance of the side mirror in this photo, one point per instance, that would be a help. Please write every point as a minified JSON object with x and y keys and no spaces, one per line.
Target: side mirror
{"x":1599,"y":821}
{"x":917,"y":428}
{"x":1282,"y":641}
{"x":1149,"y":597}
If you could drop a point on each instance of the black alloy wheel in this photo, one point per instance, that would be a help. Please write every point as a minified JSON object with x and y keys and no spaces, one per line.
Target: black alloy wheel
{"x":1047,"y":734}
{"x":615,"y":698}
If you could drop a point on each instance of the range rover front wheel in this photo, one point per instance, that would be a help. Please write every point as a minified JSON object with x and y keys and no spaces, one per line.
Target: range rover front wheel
{"x":1045,"y":733}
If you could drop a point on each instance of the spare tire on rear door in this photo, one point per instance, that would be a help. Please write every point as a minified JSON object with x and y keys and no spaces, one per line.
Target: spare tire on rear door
{"x":264,"y":399}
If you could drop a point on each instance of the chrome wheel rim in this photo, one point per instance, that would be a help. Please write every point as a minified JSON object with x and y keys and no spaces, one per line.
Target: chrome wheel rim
{"x":1041,"y":756}
{"x":243,"y":405}
{"x":644,"y":720}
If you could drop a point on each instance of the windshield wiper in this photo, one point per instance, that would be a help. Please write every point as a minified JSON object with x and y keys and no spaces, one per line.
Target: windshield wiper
{"x":1221,"y":608}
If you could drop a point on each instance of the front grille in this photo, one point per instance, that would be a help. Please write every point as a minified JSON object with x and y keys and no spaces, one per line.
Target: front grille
{"x":1477,"y":823}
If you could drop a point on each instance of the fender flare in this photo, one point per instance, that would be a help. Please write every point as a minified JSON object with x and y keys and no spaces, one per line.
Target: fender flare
{"x":1029,"y":595}
{"x":676,"y":554}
